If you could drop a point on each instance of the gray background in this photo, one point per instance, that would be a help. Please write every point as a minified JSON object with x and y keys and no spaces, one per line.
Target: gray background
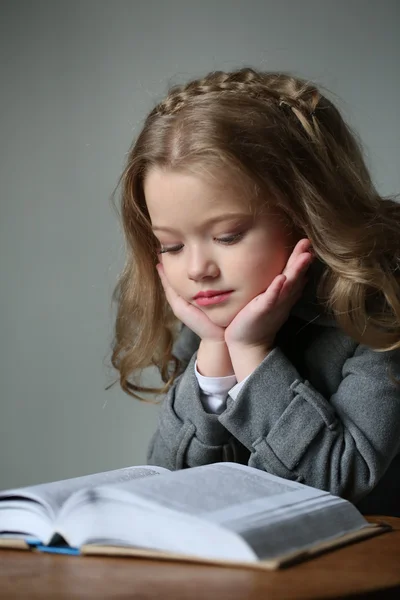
{"x":77,"y":79}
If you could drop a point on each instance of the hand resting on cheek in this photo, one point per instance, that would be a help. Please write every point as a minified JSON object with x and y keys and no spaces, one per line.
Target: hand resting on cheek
{"x":260,"y":320}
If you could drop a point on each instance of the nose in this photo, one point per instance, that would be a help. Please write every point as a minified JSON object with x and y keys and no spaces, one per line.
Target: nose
{"x":201,"y":265}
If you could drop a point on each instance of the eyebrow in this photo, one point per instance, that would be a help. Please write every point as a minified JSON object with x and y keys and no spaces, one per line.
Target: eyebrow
{"x":226,"y":217}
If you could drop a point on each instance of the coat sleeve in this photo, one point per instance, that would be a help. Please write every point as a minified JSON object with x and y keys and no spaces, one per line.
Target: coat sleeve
{"x":187,"y":435}
{"x":343,"y":444}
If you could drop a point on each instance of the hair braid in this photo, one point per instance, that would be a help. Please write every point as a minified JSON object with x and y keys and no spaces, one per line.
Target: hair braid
{"x":286,"y":91}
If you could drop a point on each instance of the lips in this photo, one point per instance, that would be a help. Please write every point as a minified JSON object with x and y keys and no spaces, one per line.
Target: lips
{"x":214,"y":299}
{"x":211,"y":293}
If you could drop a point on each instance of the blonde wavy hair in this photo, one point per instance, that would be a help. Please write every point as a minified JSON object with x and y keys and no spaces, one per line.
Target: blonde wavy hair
{"x":280,"y":133}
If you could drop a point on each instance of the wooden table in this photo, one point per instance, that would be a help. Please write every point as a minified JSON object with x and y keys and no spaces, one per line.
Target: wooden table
{"x":372,"y":564}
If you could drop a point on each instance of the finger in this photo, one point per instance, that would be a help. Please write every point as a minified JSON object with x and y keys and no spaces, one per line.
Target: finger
{"x":293,"y":289}
{"x":269,"y":298}
{"x":301,"y":247}
{"x":163,"y":278}
{"x":180,"y":307}
{"x":161,"y":274}
{"x":160,"y":269}
{"x":299,"y":261}
{"x":171,"y":295}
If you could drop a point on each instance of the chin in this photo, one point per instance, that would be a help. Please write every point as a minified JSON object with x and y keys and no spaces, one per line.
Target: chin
{"x":221,"y":320}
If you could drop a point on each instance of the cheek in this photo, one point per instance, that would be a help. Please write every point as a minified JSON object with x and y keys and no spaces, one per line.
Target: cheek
{"x":260,"y":262}
{"x":264,"y":265}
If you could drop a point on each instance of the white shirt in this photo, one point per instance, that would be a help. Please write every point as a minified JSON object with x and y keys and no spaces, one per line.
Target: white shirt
{"x":215,"y":390}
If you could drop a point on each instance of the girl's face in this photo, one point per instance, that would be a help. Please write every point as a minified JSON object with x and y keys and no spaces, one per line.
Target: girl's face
{"x":235,"y":251}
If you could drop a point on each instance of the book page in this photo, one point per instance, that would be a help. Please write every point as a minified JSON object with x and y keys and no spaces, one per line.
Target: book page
{"x":52,"y":495}
{"x":222,"y":492}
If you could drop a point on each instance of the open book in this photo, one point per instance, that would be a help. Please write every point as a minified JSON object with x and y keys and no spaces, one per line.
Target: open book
{"x":220,"y":513}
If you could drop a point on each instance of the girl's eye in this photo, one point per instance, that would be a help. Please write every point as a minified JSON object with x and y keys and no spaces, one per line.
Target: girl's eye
{"x":230,"y":239}
{"x":226,"y":240}
{"x":173,"y":249}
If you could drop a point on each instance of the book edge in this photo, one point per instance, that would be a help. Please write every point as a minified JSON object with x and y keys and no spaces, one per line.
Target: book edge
{"x":13,"y":543}
{"x":372,"y":529}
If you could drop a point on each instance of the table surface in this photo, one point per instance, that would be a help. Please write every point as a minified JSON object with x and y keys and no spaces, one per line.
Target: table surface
{"x":371,"y":564}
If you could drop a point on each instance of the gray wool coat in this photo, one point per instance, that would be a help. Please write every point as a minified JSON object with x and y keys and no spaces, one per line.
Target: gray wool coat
{"x":320,"y":409}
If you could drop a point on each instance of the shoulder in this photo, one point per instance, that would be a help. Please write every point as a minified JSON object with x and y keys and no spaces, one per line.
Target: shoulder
{"x":373,"y":362}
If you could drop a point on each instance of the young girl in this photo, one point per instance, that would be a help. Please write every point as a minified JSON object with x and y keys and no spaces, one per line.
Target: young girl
{"x":262,"y":279}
